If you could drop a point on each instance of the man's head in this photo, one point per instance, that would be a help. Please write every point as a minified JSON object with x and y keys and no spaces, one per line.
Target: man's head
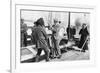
{"x":55,"y":21}
{"x":59,"y":22}
{"x":84,"y":25}
{"x":40,"y":22}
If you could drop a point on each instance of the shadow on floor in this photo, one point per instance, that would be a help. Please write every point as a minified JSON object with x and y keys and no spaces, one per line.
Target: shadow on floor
{"x":33,"y":59}
{"x":64,"y":50}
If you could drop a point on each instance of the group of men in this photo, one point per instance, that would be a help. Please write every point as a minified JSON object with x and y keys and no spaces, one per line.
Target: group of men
{"x":40,"y":38}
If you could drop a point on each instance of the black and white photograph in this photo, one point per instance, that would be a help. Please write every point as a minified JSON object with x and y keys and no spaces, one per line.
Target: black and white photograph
{"x":54,"y":36}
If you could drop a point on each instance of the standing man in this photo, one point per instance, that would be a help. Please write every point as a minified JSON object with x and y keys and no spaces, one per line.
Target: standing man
{"x":73,"y":32}
{"x":83,"y":40}
{"x":23,"y":33}
{"x":55,"y":29}
{"x":40,"y":39}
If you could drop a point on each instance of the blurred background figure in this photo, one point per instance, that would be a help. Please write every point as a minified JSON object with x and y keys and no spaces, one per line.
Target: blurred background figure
{"x":23,"y":33}
{"x":71,"y":31}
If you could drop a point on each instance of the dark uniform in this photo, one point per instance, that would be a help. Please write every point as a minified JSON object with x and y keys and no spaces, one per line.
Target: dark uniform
{"x":71,"y":32}
{"x":84,"y":33}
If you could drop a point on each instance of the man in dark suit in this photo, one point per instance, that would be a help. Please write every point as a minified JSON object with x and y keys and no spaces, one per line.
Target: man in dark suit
{"x":40,"y":38}
{"x":84,"y":33}
{"x":71,"y":31}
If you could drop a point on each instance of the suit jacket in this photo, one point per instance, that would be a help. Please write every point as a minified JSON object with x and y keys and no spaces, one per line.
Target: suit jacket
{"x":84,"y":33}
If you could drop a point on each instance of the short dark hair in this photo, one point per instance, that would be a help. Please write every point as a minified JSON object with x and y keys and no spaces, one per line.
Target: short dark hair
{"x":40,"y":21}
{"x":59,"y":22}
{"x":84,"y":23}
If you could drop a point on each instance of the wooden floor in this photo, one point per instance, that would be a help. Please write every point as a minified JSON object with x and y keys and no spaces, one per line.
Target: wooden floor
{"x":70,"y":55}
